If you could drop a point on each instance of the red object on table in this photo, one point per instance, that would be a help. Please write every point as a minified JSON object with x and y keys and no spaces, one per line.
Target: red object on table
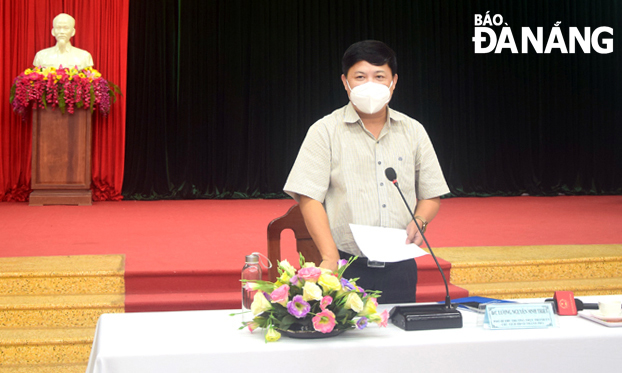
{"x":565,"y":302}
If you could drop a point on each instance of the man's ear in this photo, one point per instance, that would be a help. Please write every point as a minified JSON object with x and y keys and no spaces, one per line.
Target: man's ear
{"x":74,"y":32}
{"x":345,"y":83}
{"x":394,"y":83}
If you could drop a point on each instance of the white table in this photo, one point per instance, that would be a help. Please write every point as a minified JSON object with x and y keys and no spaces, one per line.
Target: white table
{"x":209,"y":341}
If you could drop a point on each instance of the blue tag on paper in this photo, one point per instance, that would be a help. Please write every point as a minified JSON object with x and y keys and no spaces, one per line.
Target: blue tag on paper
{"x":519,"y":316}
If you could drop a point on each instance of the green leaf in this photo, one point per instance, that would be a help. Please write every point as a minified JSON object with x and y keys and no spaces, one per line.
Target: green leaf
{"x":302,"y":260}
{"x":286,"y":322}
{"x":341,"y":313}
{"x":266,"y":286}
{"x":341,"y":270}
{"x":261,"y":321}
{"x":61,"y":102}
{"x":12,"y":96}
{"x":113,"y":90}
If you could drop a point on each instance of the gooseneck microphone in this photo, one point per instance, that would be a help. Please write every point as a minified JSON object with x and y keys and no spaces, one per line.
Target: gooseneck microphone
{"x":426,"y":316}
{"x":392,"y":176}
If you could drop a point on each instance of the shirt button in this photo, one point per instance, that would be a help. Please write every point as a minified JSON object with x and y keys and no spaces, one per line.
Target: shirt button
{"x":379,"y":162}
{"x":381,"y":184}
{"x":383,"y":206}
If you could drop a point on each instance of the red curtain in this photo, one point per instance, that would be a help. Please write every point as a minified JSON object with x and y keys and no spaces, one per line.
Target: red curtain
{"x":101,"y":29}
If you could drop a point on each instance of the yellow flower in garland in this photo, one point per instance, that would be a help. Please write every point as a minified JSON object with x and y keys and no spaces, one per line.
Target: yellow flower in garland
{"x":284,"y":279}
{"x":92,"y":73}
{"x":329,"y":283}
{"x":370,"y":307}
{"x":272,"y":335}
{"x":47,"y":72}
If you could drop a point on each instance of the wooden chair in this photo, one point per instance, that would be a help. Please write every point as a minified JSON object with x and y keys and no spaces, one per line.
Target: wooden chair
{"x":304,"y":243}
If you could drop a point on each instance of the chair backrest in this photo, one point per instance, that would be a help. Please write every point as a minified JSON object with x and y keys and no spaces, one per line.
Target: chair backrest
{"x":304,"y":243}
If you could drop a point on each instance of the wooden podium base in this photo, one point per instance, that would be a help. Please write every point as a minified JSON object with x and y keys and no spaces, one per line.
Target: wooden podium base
{"x":44,"y":197}
{"x":61,"y":158}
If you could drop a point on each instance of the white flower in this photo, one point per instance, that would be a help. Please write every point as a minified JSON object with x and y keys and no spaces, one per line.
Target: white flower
{"x":354,"y":302}
{"x":288,"y":268}
{"x":310,"y":291}
{"x":260,"y":304}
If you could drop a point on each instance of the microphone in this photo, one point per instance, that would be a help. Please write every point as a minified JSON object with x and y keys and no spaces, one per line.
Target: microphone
{"x":424,"y":317}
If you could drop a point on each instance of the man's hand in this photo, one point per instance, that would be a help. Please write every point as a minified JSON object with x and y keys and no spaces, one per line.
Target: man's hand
{"x":317,"y":224}
{"x":427,"y":209}
{"x":414,"y":236}
{"x":330,"y":264}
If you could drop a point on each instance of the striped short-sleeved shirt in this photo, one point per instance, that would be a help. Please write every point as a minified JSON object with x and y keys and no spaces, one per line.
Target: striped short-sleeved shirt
{"x":342,"y":165}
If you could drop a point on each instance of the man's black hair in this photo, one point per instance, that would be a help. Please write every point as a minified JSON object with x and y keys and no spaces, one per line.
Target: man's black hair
{"x":375,"y":52}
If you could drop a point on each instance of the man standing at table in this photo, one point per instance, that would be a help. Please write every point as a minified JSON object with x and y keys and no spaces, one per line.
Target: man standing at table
{"x":339,"y":175}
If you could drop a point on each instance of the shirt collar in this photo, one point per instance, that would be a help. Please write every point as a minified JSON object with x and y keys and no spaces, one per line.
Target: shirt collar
{"x":395,"y":116}
{"x":351,"y":116}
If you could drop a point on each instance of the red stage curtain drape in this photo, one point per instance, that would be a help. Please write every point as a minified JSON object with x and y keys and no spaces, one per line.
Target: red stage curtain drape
{"x":101,"y":29}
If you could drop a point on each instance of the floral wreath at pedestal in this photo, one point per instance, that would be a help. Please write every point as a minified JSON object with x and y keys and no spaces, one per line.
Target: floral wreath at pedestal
{"x":65,"y":88}
{"x":311,"y":299}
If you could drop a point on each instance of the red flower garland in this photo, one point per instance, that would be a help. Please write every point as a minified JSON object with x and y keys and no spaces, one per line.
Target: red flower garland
{"x":65,"y":88}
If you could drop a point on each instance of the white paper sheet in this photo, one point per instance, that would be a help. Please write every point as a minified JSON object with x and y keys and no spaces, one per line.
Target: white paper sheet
{"x":385,"y":244}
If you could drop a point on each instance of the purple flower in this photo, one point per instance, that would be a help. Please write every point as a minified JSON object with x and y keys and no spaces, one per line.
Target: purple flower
{"x":298,"y":307}
{"x":347,"y":285}
{"x":294,"y":280}
{"x":361,"y":323}
{"x":361,"y":290}
{"x":342,"y":262}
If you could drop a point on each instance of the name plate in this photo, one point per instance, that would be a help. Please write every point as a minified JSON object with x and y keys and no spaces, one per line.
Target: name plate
{"x":519,"y":316}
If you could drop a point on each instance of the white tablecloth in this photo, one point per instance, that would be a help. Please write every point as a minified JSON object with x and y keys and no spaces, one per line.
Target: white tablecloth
{"x":209,"y":341}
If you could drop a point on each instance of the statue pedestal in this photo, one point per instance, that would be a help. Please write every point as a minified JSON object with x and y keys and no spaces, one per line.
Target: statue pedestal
{"x":61,"y":158}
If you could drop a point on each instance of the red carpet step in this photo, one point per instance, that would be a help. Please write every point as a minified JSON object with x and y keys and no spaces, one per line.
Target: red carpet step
{"x":430,"y":286}
{"x":170,"y":291}
{"x":184,"y":290}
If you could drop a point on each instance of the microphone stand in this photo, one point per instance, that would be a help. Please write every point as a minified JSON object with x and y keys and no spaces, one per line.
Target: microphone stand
{"x":427,"y":316}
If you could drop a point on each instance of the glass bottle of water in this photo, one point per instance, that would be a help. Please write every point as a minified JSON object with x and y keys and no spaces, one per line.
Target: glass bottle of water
{"x":251,"y":271}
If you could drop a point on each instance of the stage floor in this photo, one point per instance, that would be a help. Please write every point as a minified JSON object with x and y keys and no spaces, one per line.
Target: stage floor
{"x":191,"y":246}
{"x":207,"y":234}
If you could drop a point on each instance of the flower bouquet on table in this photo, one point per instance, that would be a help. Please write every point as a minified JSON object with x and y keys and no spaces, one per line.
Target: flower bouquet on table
{"x":311,"y":302}
{"x":65,"y":88}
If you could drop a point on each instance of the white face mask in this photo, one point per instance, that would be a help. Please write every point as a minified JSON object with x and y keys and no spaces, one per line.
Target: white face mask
{"x":370,"y":97}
